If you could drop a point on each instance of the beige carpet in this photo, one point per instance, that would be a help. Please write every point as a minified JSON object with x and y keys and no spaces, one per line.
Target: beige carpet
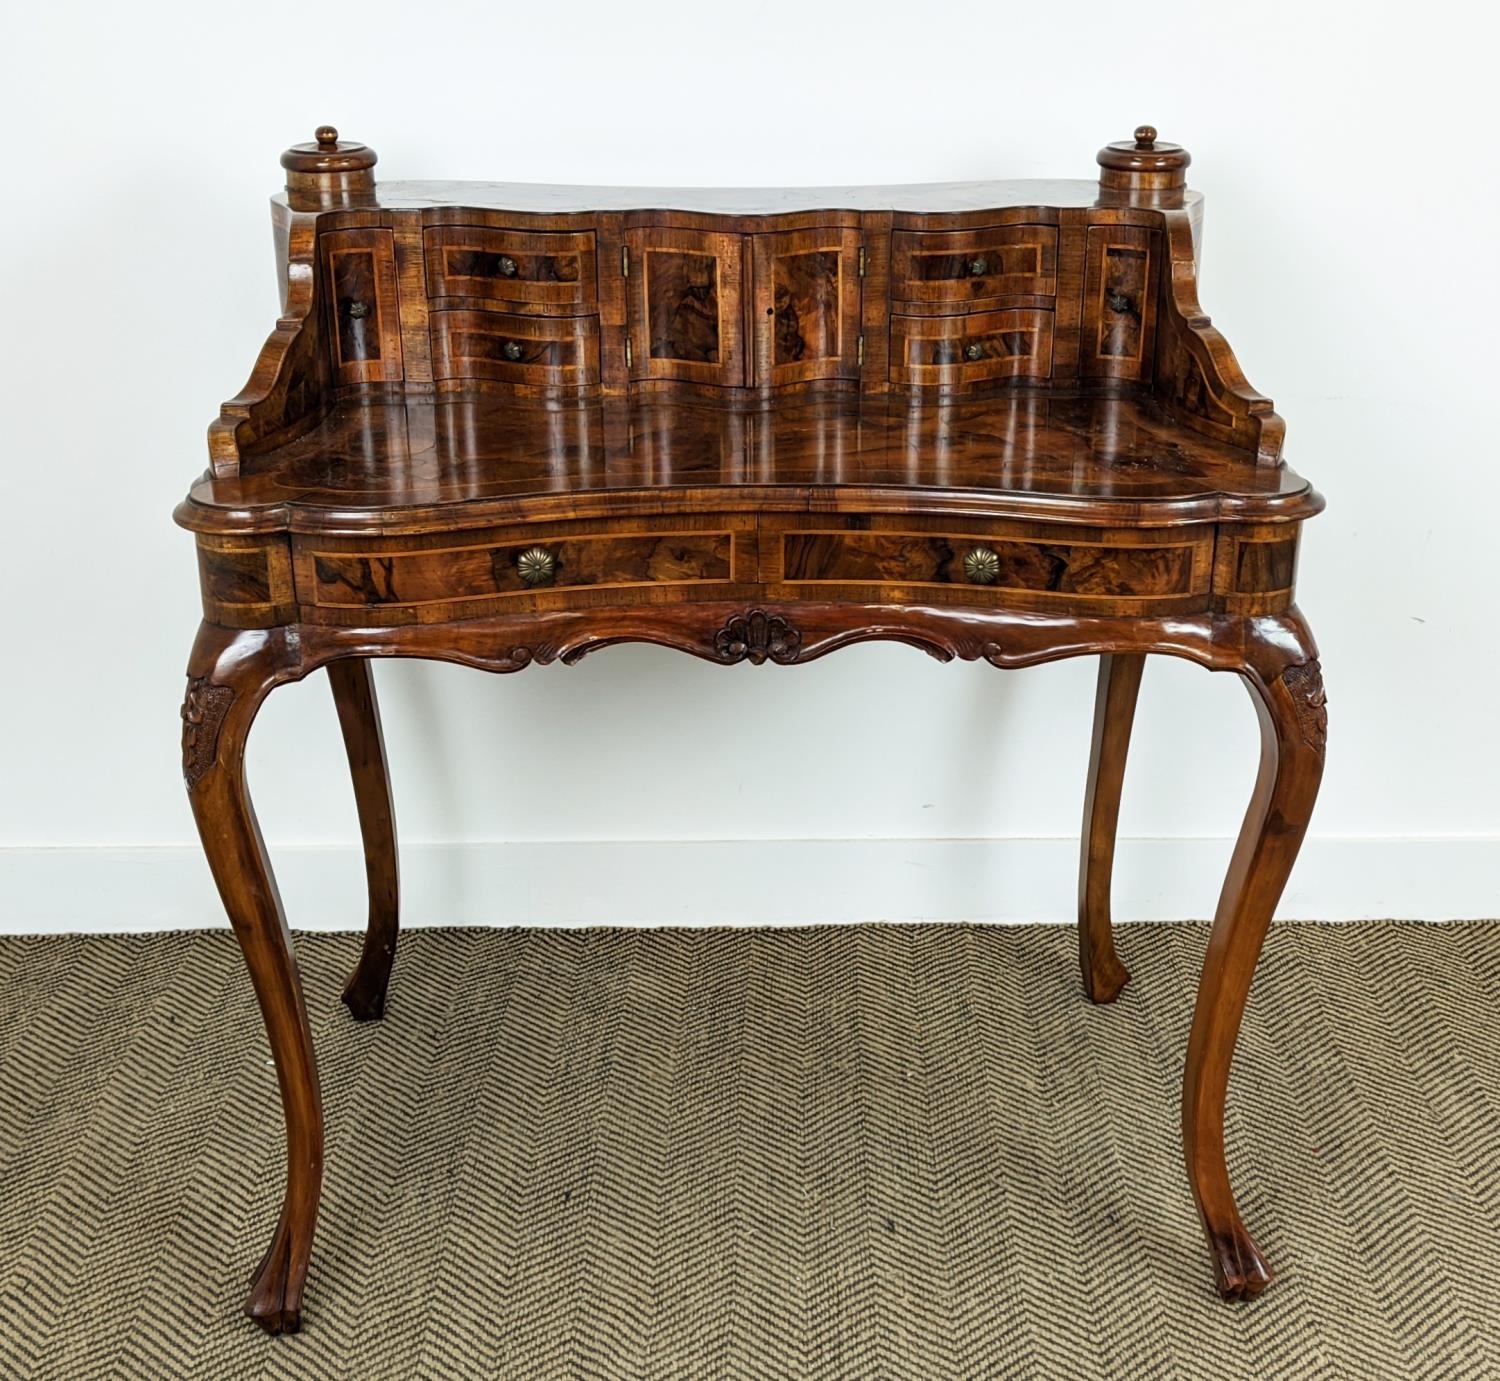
{"x":855,"y":1153}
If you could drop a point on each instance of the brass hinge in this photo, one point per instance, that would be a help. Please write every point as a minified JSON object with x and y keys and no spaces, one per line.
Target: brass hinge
{"x":625,"y":261}
{"x":859,"y":351}
{"x":861,"y":261}
{"x":628,"y":360}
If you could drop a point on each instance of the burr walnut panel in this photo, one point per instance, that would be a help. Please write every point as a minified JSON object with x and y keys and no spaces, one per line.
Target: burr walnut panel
{"x":685,"y":308}
{"x":1119,"y":302}
{"x":961,"y":267}
{"x":952,"y":351}
{"x":536,"y":352}
{"x":363,"y":308}
{"x":518,"y":268}
{"x":245,"y":583}
{"x":806,"y":305}
{"x":1255,"y":567}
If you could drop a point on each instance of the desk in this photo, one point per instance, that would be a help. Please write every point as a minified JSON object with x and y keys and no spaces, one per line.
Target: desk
{"x":510,"y":425}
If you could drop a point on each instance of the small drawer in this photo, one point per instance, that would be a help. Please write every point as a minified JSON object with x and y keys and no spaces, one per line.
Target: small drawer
{"x":542,"y":352}
{"x":523,"y":267}
{"x":960,"y":266}
{"x":1029,"y":565}
{"x":951,"y":351}
{"x":467,"y":575}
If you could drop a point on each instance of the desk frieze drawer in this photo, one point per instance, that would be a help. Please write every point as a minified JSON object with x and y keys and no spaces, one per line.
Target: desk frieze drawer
{"x":957,"y":267}
{"x":539,"y":353}
{"x":528,"y":268}
{"x":467,"y":575}
{"x":1020,"y":564}
{"x":952,"y":351}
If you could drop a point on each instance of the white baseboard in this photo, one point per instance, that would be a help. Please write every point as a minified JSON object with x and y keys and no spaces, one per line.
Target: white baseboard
{"x":753,"y":882}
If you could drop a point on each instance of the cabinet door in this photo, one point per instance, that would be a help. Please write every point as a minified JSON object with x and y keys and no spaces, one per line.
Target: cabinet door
{"x":806,"y":305}
{"x":1119,"y":303}
{"x":686,"y":305}
{"x":364,"y":315}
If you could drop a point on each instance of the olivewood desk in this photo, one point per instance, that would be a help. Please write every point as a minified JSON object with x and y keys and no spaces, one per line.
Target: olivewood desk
{"x":509,"y":425}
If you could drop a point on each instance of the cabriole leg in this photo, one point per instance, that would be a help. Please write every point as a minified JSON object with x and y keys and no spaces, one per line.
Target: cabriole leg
{"x":359,"y":717}
{"x":1114,"y":713}
{"x":229,"y":675}
{"x":1293,"y":726}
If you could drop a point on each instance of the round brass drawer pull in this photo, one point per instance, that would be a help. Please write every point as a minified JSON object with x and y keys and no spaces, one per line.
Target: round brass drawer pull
{"x":974,"y":351}
{"x":979,"y":266}
{"x":982,"y":566}
{"x":536,"y":566}
{"x":507,"y":266}
{"x":512,"y":350}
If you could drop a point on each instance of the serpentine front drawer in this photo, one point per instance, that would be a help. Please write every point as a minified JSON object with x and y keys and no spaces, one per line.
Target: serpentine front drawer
{"x":393,"y":580}
{"x":1021,"y":565}
{"x":526,"y":351}
{"x":952,"y":351}
{"x":958,"y":267}
{"x":525,"y":268}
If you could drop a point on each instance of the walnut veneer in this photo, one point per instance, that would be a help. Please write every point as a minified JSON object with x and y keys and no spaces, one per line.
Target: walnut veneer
{"x":509,"y":425}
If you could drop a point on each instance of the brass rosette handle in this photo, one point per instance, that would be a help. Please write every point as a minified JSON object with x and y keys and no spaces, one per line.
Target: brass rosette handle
{"x":537,"y":566}
{"x":982,"y":566}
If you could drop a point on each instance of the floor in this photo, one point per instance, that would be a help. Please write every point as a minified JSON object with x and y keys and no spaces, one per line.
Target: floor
{"x":814,"y":1153}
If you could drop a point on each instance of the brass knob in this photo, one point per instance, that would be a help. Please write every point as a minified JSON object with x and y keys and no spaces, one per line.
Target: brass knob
{"x":512,"y":350}
{"x":536,"y":566}
{"x":979,"y":266}
{"x":507,"y":266}
{"x":359,"y":310}
{"x":1118,"y":302}
{"x":974,"y":351}
{"x":1145,"y":137}
{"x":982,"y":566}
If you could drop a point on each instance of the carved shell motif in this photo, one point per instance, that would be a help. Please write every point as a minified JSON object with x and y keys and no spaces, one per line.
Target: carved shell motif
{"x":757,"y":636}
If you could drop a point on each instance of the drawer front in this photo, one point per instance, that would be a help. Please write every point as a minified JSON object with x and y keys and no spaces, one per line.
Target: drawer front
{"x":542,"y":352}
{"x":963,"y":266}
{"x":522,"y":267}
{"x":1027,"y":565}
{"x":465,"y":575}
{"x":953,"y":351}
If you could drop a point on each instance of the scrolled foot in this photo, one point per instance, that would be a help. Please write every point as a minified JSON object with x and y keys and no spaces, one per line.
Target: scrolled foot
{"x":275,"y":1298}
{"x":364,"y":995}
{"x":1240,"y":1270}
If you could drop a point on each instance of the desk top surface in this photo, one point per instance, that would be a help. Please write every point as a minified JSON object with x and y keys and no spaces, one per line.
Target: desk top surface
{"x":541,"y":198}
{"x":371,"y":464}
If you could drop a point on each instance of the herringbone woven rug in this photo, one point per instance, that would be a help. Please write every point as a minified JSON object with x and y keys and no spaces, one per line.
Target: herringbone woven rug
{"x":855,"y":1153}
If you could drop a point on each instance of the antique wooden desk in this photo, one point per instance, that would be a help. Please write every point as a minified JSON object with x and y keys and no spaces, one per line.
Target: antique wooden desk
{"x":509,"y":425}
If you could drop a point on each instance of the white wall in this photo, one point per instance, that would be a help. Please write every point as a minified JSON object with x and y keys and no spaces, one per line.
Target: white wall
{"x":1347,"y":153}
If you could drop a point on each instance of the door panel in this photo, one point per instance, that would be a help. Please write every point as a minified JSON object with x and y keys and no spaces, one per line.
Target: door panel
{"x":685,"y":305}
{"x":806,"y":305}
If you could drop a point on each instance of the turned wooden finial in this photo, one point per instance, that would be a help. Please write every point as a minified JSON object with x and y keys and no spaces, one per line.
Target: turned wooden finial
{"x":1146,"y":168}
{"x":328,"y":172}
